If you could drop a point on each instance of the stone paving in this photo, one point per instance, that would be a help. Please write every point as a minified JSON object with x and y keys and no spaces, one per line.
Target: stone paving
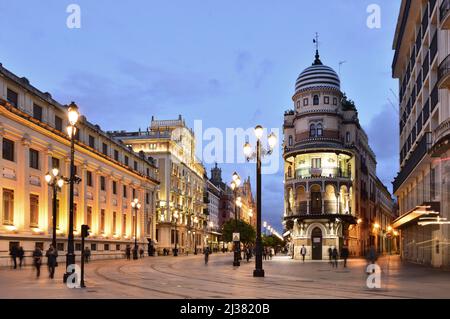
{"x":188,"y":277}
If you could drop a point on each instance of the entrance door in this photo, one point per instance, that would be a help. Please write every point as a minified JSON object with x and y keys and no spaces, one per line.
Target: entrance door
{"x":316,"y":241}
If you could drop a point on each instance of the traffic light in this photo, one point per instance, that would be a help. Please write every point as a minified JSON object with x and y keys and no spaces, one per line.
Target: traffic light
{"x":85,"y":230}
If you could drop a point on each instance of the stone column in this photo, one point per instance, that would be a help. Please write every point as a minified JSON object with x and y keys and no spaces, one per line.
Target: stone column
{"x":338,"y":198}
{"x":45,"y":200}
{"x":323,"y":202}
{"x":82,"y":203}
{"x":22,"y":194}
{"x":308,"y":202}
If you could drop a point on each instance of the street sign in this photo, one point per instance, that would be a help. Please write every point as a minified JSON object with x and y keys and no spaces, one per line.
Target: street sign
{"x":236,"y":236}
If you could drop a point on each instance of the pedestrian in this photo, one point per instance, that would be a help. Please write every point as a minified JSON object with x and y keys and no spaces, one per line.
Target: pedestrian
{"x":21,"y":255}
{"x":37,"y":260}
{"x":334,"y":256}
{"x":272,"y":252}
{"x":13,"y":251}
{"x":330,"y":253}
{"x":52,"y":258}
{"x":372,"y":256}
{"x":265,"y":253}
{"x":249,"y":254}
{"x":141,"y":252}
{"x":128,"y":252}
{"x":344,"y":255}
{"x":87,"y":254}
{"x":150,"y":248}
{"x":207,"y":252}
{"x":303,"y":252}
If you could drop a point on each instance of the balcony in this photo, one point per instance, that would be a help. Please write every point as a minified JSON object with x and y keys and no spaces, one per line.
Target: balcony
{"x":444,"y":14}
{"x":444,"y":73}
{"x":311,"y":173}
{"x":423,"y":146}
{"x":441,"y":138}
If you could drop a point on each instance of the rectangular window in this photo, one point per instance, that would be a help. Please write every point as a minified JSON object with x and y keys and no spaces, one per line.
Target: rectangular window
{"x":34,"y":158}
{"x":12,"y":97}
{"x":126,"y":160}
{"x":89,"y":178}
{"x":305,"y":102}
{"x":102,"y":221}
{"x":124,"y":225}
{"x":114,"y":222}
{"x":102,"y":183}
{"x":37,"y":112}
{"x":316,"y":163}
{"x":326,"y":100}
{"x":125,"y":191}
{"x":105,"y":148}
{"x":106,"y":247}
{"x":147,"y":198}
{"x":135,"y":166}
{"x":91,"y":141}
{"x":148,"y":171}
{"x":60,"y":246}
{"x":78,"y":246}
{"x":89,"y":216}
{"x":117,"y":246}
{"x":114,"y":187}
{"x":55,"y":162}
{"x":133,"y":191}
{"x":58,"y":123}
{"x":8,"y":206}
{"x":432,"y":183}
{"x":334,"y":101}
{"x":8,"y":150}
{"x":116,"y":155}
{"x":94,"y":247}
{"x":34,"y":210}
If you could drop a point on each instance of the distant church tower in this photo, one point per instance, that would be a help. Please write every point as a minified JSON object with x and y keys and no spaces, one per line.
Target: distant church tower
{"x":216,"y":175}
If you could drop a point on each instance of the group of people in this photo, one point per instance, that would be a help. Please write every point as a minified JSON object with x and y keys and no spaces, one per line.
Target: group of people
{"x":333,"y":255}
{"x":51,"y":254}
{"x":268,"y":253}
{"x":136,"y":250}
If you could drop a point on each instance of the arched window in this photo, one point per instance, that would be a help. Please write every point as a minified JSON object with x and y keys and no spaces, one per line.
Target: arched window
{"x":289,"y":172}
{"x":290,"y":140}
{"x":316,"y":100}
{"x":312,"y":130}
{"x":319,"y":130}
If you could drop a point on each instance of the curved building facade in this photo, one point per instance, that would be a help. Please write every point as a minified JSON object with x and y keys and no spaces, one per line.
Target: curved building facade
{"x":330,"y":170}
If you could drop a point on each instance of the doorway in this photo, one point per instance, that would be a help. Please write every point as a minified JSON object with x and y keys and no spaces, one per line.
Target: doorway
{"x":316,"y":243}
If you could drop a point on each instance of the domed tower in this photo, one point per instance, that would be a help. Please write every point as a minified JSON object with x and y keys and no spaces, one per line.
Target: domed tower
{"x":319,"y":162}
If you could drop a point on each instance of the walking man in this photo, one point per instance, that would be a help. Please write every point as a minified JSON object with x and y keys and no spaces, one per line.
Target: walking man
{"x":128,"y":252}
{"x":334,"y":256}
{"x":344,"y":255}
{"x":37,"y":260}
{"x":52,"y":256}
{"x":21,"y":255}
{"x":87,"y":255}
{"x":13,"y":253}
{"x":303,"y":252}
{"x":207,"y":252}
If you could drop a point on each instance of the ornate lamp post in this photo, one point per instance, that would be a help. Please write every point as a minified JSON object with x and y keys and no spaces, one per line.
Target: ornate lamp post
{"x":55,"y":181}
{"x":237,"y":244}
{"x":249,"y":153}
{"x":73,"y":116}
{"x":136,"y":206}
{"x":175,"y":216}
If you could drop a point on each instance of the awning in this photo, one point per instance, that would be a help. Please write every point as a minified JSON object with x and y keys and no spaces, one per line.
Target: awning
{"x":426,"y":209}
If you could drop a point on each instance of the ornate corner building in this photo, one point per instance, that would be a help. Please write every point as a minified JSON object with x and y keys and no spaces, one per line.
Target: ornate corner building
{"x":332,"y":194}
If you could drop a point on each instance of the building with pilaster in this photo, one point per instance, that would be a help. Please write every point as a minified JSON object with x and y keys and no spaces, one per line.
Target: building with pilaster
{"x":180,"y":198}
{"x":33,"y":142}
{"x":330,"y":182}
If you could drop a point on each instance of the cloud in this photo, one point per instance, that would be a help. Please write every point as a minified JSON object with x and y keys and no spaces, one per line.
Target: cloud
{"x":243,"y":59}
{"x":250,"y":70}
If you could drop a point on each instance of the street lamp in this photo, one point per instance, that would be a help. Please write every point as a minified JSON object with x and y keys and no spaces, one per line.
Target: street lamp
{"x":265,"y":227}
{"x":250,"y":215}
{"x":136,"y":206}
{"x":175,"y":216}
{"x":237,"y":244}
{"x":249,"y":153}
{"x":73,"y":116}
{"x":54,"y":180}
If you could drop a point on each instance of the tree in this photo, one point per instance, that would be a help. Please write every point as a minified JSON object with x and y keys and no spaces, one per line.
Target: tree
{"x":272,"y":241}
{"x":247,"y":232}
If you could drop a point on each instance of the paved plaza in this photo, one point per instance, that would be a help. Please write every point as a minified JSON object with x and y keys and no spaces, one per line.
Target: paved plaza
{"x":189,"y":277}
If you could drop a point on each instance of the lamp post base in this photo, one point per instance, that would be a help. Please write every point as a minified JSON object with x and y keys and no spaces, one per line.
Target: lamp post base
{"x":258,"y":273}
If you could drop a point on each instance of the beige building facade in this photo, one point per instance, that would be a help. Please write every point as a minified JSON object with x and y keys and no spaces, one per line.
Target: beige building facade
{"x":33,"y":141}
{"x":180,"y":199}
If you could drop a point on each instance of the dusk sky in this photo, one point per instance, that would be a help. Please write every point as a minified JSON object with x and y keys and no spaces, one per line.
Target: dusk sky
{"x":232,"y":64}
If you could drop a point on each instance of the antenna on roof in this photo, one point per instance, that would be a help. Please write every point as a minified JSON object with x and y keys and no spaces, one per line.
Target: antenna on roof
{"x":316,"y":42}
{"x":340,"y":65}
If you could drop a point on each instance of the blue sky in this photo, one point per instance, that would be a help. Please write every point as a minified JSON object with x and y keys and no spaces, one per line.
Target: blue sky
{"x":229,"y":63}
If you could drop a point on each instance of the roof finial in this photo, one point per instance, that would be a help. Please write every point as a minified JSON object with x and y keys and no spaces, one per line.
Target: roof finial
{"x":316,"y":41}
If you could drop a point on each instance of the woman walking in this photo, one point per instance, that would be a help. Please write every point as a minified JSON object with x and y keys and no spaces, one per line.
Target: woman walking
{"x":52,"y":257}
{"x":37,"y":260}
